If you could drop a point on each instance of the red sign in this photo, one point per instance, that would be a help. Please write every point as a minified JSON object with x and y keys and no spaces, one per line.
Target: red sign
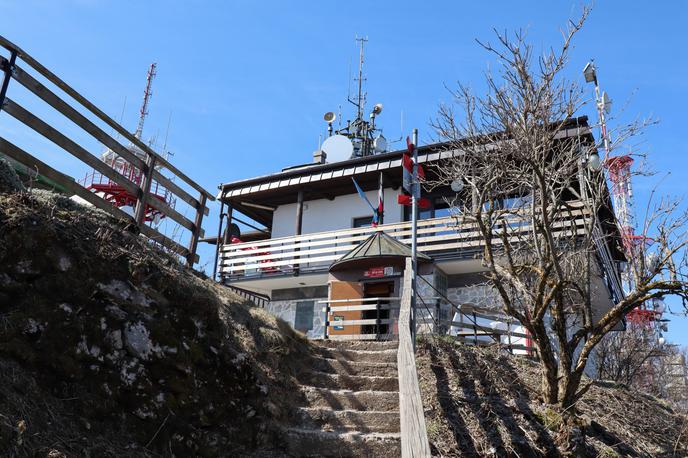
{"x":376,"y":272}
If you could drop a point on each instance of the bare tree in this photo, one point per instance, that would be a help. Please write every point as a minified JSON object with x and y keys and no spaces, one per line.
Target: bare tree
{"x":628,"y":357}
{"x":543,"y":215}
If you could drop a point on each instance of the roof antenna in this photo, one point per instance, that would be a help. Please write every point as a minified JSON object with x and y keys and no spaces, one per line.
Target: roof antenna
{"x":361,"y":96}
{"x":167,"y":134}
{"x":146,"y":98}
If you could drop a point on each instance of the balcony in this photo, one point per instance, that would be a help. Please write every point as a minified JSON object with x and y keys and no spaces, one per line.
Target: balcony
{"x":444,"y":239}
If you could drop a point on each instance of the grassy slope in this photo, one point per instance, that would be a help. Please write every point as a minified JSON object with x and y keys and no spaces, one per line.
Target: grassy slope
{"x":109,"y":348}
{"x":482,"y":402}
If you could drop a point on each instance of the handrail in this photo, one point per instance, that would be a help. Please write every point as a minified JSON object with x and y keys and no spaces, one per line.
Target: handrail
{"x":50,"y":76}
{"x":414,"y":434}
{"x":135,"y":190}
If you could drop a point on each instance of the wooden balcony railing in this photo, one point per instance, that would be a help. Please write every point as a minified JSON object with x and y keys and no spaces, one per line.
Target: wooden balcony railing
{"x":437,"y":237}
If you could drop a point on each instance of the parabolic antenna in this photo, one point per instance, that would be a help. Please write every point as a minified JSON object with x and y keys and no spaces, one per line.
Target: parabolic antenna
{"x":380,"y":144}
{"x":338,"y":148}
{"x":329,"y":117}
{"x":457,"y":185}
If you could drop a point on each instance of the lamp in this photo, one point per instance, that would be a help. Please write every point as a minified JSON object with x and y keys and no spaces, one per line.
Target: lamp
{"x":589,"y":73}
{"x":594,"y":162}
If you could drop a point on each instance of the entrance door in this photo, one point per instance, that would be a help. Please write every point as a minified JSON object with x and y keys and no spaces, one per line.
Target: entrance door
{"x":377,"y":290}
{"x":344,"y":290}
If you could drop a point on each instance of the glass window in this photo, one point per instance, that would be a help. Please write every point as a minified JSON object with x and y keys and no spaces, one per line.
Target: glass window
{"x":304,"y":316}
{"x":364,"y":221}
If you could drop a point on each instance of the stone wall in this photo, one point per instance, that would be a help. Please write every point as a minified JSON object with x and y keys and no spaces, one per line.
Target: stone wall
{"x":286,"y":310}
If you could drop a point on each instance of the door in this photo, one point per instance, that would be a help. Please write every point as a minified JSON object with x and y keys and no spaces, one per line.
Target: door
{"x":344,"y":290}
{"x":377,"y":290}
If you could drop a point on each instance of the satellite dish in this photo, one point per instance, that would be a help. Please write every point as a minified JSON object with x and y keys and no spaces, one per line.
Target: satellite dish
{"x":457,"y":185}
{"x":380,"y":144}
{"x":330,"y":117}
{"x":338,"y":148}
{"x":377,"y":109}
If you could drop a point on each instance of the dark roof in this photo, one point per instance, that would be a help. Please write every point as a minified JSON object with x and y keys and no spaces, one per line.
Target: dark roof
{"x":378,"y":246}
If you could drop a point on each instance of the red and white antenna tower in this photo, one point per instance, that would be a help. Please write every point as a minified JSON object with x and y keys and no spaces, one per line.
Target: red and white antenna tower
{"x":619,"y":172}
{"x":114,"y":192}
{"x":147,"y":93}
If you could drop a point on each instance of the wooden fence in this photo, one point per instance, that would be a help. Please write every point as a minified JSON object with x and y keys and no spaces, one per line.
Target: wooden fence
{"x":149,"y":165}
{"x":414,"y":435}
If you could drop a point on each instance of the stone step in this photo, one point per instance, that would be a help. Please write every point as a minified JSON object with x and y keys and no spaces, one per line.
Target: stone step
{"x":366,"y":421}
{"x":373,"y":345}
{"x":306,"y":442}
{"x":343,"y":367}
{"x":349,"y":382}
{"x":371,"y":356}
{"x":351,"y":400}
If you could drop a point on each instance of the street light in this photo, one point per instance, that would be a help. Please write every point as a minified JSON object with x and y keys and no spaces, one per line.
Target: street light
{"x":594,"y":162}
{"x":589,"y":73}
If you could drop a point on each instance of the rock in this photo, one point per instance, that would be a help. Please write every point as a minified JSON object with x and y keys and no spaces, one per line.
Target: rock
{"x":9,"y":180}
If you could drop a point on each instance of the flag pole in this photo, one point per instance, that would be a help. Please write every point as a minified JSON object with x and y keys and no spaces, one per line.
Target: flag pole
{"x":414,"y":234}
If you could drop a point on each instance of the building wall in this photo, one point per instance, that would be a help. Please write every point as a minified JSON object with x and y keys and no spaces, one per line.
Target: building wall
{"x":330,"y":215}
{"x":286,"y":310}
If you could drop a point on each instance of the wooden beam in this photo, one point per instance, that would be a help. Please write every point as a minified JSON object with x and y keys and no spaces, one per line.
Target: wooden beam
{"x":196,"y":233}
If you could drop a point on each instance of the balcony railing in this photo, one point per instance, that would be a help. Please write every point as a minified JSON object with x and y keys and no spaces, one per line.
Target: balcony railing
{"x":441,"y":238}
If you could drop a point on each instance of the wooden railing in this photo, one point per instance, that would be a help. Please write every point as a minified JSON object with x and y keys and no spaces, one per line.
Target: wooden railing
{"x":316,"y":251}
{"x":414,"y":434}
{"x":149,"y":165}
{"x":381,"y":328}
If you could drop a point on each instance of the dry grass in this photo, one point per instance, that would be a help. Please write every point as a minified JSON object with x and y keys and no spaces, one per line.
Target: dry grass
{"x":484,"y":402}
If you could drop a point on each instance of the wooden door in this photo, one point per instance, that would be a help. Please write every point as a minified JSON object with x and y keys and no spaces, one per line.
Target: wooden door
{"x":340,"y":290}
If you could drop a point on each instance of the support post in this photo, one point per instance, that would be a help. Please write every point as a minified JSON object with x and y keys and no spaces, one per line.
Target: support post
{"x":299,"y":224}
{"x":144,"y":191}
{"x":218,"y":244}
{"x":436,"y":321}
{"x":8,"y":69}
{"x":475,"y":329}
{"x":377,"y":319}
{"x":415,"y":187}
{"x":193,"y":244}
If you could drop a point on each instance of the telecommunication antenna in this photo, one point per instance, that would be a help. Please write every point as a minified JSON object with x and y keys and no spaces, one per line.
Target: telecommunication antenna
{"x":359,"y":103}
{"x":359,"y":137}
{"x":147,"y":93}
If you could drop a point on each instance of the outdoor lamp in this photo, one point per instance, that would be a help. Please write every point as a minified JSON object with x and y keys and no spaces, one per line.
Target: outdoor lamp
{"x":589,"y":73}
{"x":594,"y":162}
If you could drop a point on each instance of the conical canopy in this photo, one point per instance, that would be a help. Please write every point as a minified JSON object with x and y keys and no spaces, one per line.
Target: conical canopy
{"x":378,"y":246}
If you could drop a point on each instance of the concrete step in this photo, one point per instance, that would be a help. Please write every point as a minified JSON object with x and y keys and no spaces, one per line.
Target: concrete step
{"x":373,"y":345}
{"x":363,"y":421}
{"x":343,"y":367}
{"x":351,"y":400}
{"x":349,"y":382}
{"x":371,"y":356}
{"x":305,"y":442}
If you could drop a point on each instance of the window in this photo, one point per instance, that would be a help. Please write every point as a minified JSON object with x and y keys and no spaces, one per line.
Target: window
{"x":304,"y":316}
{"x":363,"y":221}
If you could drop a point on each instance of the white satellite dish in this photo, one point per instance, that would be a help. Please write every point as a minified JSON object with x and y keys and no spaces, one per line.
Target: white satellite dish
{"x":380,"y":144}
{"x":457,"y":185}
{"x":338,"y":148}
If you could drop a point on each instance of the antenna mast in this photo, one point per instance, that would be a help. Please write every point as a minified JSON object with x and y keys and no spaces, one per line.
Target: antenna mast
{"x":360,"y":98}
{"x":146,"y":98}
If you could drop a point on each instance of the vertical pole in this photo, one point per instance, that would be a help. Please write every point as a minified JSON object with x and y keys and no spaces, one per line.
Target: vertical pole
{"x":327,"y":319}
{"x":218,"y":243}
{"x":475,"y":329}
{"x":226,"y":237}
{"x":144,"y":191}
{"x":414,"y":235}
{"x":299,"y":224}
{"x":377,"y":319}
{"x":9,"y":69}
{"x":193,"y":244}
{"x":437,"y":316}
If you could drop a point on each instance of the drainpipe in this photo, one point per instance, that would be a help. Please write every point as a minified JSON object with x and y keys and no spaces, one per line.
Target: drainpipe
{"x":299,"y":224}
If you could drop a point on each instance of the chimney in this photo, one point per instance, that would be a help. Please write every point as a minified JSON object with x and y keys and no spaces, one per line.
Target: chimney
{"x":319,"y":157}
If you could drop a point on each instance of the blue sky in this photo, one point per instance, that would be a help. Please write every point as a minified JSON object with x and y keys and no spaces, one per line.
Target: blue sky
{"x":247,"y":82}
